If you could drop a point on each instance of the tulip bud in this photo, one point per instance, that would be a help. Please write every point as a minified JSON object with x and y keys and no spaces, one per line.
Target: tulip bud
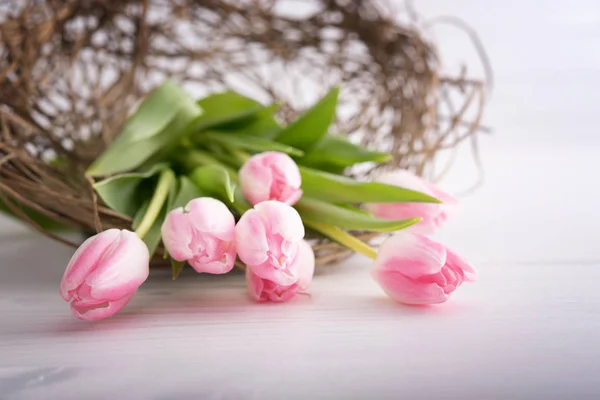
{"x":202,"y":234}
{"x":433,"y":215}
{"x":262,"y":290}
{"x":104,"y":274}
{"x":271,"y":176}
{"x":413,"y":269}
{"x":267,"y":238}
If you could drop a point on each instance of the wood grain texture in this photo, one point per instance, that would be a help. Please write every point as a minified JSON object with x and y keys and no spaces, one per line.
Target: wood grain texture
{"x":523,"y":331}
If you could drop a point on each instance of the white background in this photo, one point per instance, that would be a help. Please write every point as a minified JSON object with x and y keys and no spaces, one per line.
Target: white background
{"x":538,"y":200}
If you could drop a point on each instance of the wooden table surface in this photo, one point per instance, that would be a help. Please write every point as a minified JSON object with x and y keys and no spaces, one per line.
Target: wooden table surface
{"x":525,"y":330}
{"x":528,"y":329}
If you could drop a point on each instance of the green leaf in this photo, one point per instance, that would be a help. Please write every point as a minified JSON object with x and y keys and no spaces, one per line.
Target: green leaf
{"x":240,"y":204}
{"x":341,"y":189}
{"x":161,"y":120}
{"x":174,"y":191}
{"x":353,"y":209}
{"x":226,"y":108}
{"x":215,"y":180}
{"x":324,"y":167}
{"x":313,"y":125}
{"x":123,"y":193}
{"x":334,"y":153}
{"x":176,"y":268}
{"x":153,"y":113}
{"x":229,"y":158}
{"x":313,"y":210}
{"x":262,"y":124}
{"x":191,"y":159}
{"x":186,"y":192}
{"x":252,"y":143}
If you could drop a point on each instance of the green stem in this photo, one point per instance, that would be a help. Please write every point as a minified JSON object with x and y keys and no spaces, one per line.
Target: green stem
{"x":343,"y":238}
{"x":165,"y":181}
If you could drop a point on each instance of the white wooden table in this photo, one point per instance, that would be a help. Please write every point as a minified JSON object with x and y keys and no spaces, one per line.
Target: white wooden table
{"x":529,"y":329}
{"x":524,"y":331}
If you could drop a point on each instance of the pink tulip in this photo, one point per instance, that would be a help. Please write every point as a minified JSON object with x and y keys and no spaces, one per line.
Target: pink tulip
{"x":267,"y":239}
{"x":413,"y":269}
{"x":271,"y":176}
{"x":433,"y":215}
{"x":263,"y":290}
{"x":104,"y":274}
{"x":202,"y":234}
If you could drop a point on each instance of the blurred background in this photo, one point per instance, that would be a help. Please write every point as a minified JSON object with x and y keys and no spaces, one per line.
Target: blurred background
{"x":537,"y":203}
{"x":536,"y":196}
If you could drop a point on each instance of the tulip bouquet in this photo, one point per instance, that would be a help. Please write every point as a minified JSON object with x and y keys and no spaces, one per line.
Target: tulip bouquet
{"x":219,"y":182}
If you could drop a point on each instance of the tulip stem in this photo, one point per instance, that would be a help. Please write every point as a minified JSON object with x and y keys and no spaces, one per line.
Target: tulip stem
{"x":343,"y":238}
{"x":163,"y":187}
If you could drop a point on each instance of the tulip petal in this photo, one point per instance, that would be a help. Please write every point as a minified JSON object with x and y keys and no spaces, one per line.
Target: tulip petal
{"x":429,"y":213}
{"x":85,"y":260}
{"x":222,"y":261}
{"x":413,"y":269}
{"x":267,"y":240}
{"x":413,"y":255}
{"x":284,"y":169}
{"x":204,"y":236}
{"x":255,"y":286}
{"x":177,"y":234}
{"x":280,"y":294}
{"x":122,"y":269}
{"x":458,"y":264}
{"x":271,"y":176}
{"x":262,"y":290}
{"x":291,"y":197}
{"x":281,"y":219}
{"x":94,"y":312}
{"x":408,"y":291}
{"x":251,"y":238}
{"x":281,"y":276}
{"x":449,"y":207}
{"x":255,"y":180}
{"x":210,"y":215}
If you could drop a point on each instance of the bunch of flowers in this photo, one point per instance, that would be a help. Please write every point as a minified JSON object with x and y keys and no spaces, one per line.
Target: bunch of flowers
{"x":218,"y":181}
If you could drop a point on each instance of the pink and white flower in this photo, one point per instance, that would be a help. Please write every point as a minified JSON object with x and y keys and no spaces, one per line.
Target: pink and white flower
{"x":104,"y":274}
{"x":268,"y":238}
{"x":413,"y":269}
{"x":262,"y":290}
{"x":203,"y":234}
{"x":271,"y":176}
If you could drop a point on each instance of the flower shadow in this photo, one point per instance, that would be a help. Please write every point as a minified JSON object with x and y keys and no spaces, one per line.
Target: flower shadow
{"x":389,"y":306}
